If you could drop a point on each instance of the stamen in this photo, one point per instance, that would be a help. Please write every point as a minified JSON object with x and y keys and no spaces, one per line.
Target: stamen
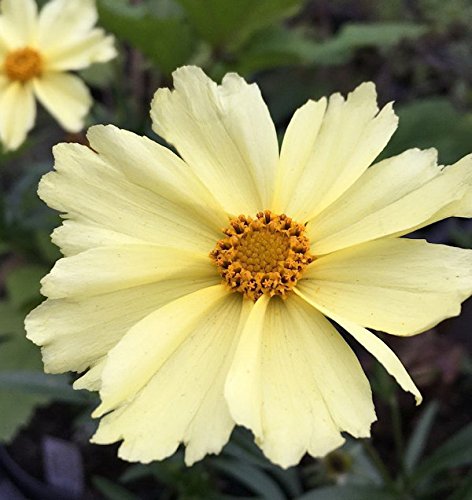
{"x":23,"y":64}
{"x":265,"y":255}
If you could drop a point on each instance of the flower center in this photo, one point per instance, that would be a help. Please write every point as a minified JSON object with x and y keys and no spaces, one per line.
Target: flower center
{"x":23,"y":64}
{"x":265,"y":255}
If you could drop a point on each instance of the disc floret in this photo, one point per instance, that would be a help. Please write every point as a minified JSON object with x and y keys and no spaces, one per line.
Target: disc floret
{"x":23,"y":64}
{"x":264,"y":255}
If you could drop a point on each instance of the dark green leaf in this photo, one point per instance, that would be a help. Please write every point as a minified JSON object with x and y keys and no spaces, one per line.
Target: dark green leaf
{"x":34,"y":382}
{"x":275,"y":47}
{"x":254,"y":479}
{"x":22,"y":285}
{"x":464,"y":490}
{"x":455,"y":452}
{"x":229,"y":23}
{"x":420,"y":435}
{"x":352,"y":36}
{"x":17,"y":353}
{"x":348,"y":492}
{"x":11,"y":321}
{"x":432,"y":123}
{"x":111,"y":490}
{"x":166,"y":41}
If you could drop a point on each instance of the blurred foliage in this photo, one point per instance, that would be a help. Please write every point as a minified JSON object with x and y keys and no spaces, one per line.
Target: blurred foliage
{"x":419,"y":53}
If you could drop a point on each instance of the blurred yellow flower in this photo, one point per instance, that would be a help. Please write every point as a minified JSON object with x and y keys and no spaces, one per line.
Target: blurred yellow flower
{"x":37,"y":51}
{"x":187,"y":331}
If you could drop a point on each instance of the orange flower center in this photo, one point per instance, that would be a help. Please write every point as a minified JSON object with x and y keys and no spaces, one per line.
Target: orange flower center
{"x":24,"y":64}
{"x":265,"y":255}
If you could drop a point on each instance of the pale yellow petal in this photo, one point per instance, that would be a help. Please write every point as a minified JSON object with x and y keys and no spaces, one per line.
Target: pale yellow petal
{"x":243,"y":385}
{"x":63,"y":20}
{"x":297,"y":147}
{"x":66,"y":97}
{"x":460,"y":205}
{"x":67,"y":38}
{"x":158,"y":169}
{"x":183,"y":401}
{"x":92,"y":379}
{"x":383,"y":354}
{"x":295,"y":416}
{"x":399,"y":286}
{"x":17,"y":114}
{"x":107,"y":269}
{"x":76,"y":334}
{"x":224,"y":133}
{"x":19,"y":22}
{"x":300,"y":384}
{"x":335,"y":154}
{"x":91,"y":191}
{"x":90,"y":48}
{"x":144,"y":349}
{"x":393,"y":197}
{"x":73,"y":237}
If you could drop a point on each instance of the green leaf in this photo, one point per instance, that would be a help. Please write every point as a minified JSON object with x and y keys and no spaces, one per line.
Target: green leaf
{"x":420,"y":435}
{"x":455,"y":452}
{"x":464,"y":490}
{"x":22,"y":285}
{"x":432,"y":123}
{"x":111,"y":490}
{"x":11,"y":321}
{"x":56,"y":387}
{"x":17,"y":353}
{"x":166,"y":41}
{"x":352,"y":36}
{"x":348,"y":492}
{"x":229,"y":23}
{"x":275,"y":47}
{"x":254,"y":479}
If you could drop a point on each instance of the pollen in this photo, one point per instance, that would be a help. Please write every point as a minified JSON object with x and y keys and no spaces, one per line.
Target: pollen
{"x":24,"y":64}
{"x":265,"y":255}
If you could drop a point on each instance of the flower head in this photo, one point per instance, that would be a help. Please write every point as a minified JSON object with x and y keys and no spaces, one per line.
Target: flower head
{"x":37,"y":52}
{"x":195,"y":290}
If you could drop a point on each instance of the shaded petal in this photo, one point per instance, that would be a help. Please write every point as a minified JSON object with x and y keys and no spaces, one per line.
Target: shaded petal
{"x":92,"y":379}
{"x":224,"y":133}
{"x":310,"y":383}
{"x":460,"y":205}
{"x":66,"y":97}
{"x":383,"y":354}
{"x":76,"y":334}
{"x":107,"y":269}
{"x":338,"y":145}
{"x":19,"y":22}
{"x":91,"y":191}
{"x":17,"y":115}
{"x":399,"y":286}
{"x":393,"y":197}
{"x":183,"y":399}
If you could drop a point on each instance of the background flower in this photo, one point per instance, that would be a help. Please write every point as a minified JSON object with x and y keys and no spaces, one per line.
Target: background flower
{"x":37,"y":53}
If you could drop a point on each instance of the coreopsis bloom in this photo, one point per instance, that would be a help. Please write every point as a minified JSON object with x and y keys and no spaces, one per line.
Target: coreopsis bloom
{"x":196,"y":292}
{"x":37,"y":52}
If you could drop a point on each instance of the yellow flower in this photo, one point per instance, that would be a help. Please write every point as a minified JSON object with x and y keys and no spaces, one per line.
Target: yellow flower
{"x":187,"y":331}
{"x":37,"y":51}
